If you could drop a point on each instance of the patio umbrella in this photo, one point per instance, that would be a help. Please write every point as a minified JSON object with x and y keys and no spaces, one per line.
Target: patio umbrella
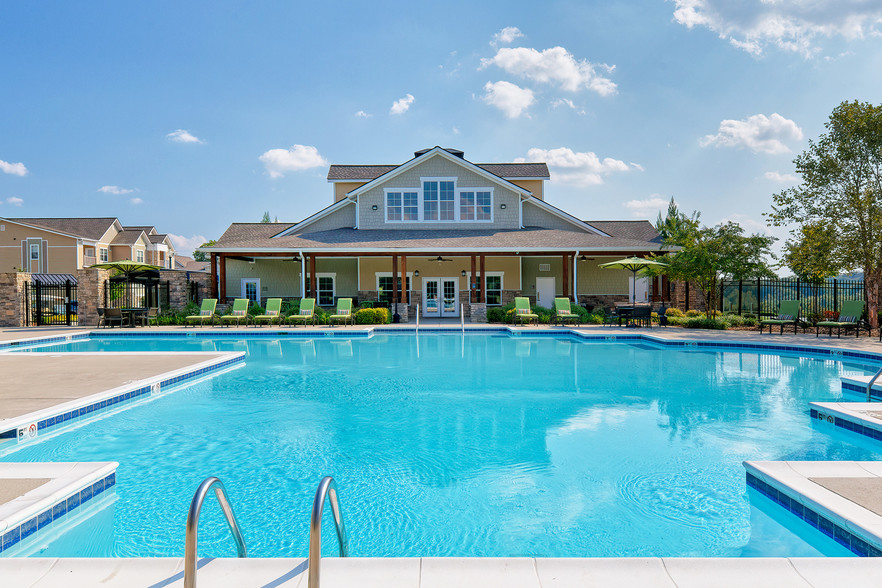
{"x":126,"y":266}
{"x":634,"y":264}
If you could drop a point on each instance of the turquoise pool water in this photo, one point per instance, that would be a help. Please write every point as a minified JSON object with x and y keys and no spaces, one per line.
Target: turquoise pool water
{"x":449,"y":445}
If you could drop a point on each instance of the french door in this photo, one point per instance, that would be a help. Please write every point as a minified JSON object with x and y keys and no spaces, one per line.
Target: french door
{"x":440,"y":297}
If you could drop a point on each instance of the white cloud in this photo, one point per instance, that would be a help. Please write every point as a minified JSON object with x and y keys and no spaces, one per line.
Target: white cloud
{"x":512,"y":100}
{"x":648,"y":208}
{"x":563,"y":102}
{"x":401,"y":105}
{"x":114,"y":190}
{"x":15,"y":169}
{"x":555,"y":66}
{"x":759,"y":133}
{"x":182,"y":136}
{"x":14,"y":200}
{"x":506,"y":36}
{"x":186,"y":245}
{"x":781,"y":178}
{"x":455,"y":131}
{"x":636,"y":166}
{"x":363,"y":114}
{"x":297,"y":158}
{"x":790,"y":25}
{"x":136,"y":201}
{"x":575,"y":168}
{"x":751,"y":225}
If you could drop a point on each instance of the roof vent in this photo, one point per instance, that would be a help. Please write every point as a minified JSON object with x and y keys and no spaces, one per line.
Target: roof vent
{"x":456,"y":152}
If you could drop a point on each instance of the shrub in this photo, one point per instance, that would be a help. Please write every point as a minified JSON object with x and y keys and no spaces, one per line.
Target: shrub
{"x":255,"y":309}
{"x":290,"y":307}
{"x":592,"y":319}
{"x":372,"y":316}
{"x":674,"y":312}
{"x":706,"y":323}
{"x":366,"y":304}
{"x":694,"y":313}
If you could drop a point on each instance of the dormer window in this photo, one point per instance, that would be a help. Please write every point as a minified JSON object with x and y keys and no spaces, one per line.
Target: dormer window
{"x":438,"y":200}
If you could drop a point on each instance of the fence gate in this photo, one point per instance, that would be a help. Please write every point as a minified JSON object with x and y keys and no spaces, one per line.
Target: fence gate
{"x":51,"y":299}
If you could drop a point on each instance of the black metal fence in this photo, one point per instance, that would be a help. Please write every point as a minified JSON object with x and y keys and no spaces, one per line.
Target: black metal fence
{"x":762,"y":297}
{"x":50,"y":304}
{"x":136,"y":294}
{"x":193,"y":292}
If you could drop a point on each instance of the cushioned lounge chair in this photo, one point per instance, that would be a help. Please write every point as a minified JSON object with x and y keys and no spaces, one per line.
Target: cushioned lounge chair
{"x":272,"y":313}
{"x":563,"y":311}
{"x":239,"y":313}
{"x":850,"y":314}
{"x":108,"y":316}
{"x":523,"y":312}
{"x":788,"y":314}
{"x":344,"y":312}
{"x":206,"y":313}
{"x":306,"y":314}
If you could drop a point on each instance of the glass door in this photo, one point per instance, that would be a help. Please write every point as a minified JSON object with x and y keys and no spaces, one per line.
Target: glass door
{"x":450,"y":306}
{"x":431,"y":300}
{"x":251,"y":289}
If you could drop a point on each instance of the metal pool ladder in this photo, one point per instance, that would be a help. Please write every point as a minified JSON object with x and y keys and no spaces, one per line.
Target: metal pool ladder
{"x":327,"y":488}
{"x":871,"y":382}
{"x":193,"y":526}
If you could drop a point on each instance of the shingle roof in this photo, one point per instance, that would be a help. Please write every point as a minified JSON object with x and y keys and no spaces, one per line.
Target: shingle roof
{"x":126,"y":237}
{"x":240,"y":232}
{"x":89,"y":228}
{"x":642,"y":230}
{"x":145,"y":228}
{"x":253,"y":236}
{"x":503,"y":170}
{"x":157,"y":237}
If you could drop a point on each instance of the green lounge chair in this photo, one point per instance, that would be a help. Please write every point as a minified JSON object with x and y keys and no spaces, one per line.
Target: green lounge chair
{"x":307,"y":312}
{"x":563,"y":311}
{"x":343,"y":313}
{"x":206,"y":312}
{"x":523,"y":312}
{"x":272,"y":313}
{"x":788,"y":314}
{"x":849,"y":318}
{"x":239,"y":313}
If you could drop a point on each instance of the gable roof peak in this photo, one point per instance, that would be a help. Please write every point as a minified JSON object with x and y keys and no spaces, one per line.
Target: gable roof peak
{"x":457,"y":152}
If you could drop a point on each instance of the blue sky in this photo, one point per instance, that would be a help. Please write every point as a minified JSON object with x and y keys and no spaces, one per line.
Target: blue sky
{"x":194,"y":115}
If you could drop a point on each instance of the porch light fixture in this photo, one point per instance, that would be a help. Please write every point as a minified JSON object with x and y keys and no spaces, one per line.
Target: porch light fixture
{"x":583,"y":258}
{"x":463,"y":273}
{"x":416,"y":273}
{"x":374,"y":207}
{"x":502,"y":206}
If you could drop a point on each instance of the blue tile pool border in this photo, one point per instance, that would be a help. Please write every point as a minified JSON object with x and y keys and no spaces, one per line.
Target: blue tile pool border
{"x":44,"y":340}
{"x":818,"y":521}
{"x":855,"y":426}
{"x":64,"y":506}
{"x":105,"y":403}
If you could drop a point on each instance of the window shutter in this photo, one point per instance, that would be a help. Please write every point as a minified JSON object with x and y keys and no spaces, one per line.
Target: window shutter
{"x":25,"y":264}
{"x":44,"y":258}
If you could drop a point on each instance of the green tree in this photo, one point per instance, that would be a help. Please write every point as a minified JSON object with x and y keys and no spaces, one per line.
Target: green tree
{"x":811,"y":253}
{"x":676,"y":228}
{"x":266,"y":218}
{"x":842,"y":189}
{"x":200,"y":255}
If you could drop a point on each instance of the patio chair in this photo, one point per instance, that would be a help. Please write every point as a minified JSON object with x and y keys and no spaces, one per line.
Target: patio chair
{"x":641,"y":316}
{"x":239,"y":312}
{"x":850,"y":314}
{"x":206,"y":313}
{"x":564,"y":313}
{"x":611,"y":317}
{"x":272,"y":313}
{"x":523,"y":312}
{"x":788,"y":314}
{"x":144,"y":317}
{"x":110,"y":316}
{"x":343,"y":313}
{"x":662,"y":315}
{"x":307,"y":312}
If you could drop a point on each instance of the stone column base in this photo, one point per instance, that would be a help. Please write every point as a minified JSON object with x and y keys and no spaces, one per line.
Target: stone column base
{"x":478,"y":311}
{"x":403,"y":311}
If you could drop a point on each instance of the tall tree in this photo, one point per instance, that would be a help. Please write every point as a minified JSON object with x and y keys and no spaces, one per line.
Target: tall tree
{"x":266,"y":218}
{"x":811,"y":253}
{"x":842,"y":188}
{"x":199,"y":255}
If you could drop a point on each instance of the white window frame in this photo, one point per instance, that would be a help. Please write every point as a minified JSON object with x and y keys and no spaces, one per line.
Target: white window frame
{"x":459,"y":218}
{"x":256,"y":282}
{"x":32,"y":248}
{"x":501,"y":276}
{"x":378,"y":275}
{"x":103,"y":254}
{"x":139,"y":255}
{"x":333,"y":276}
{"x":421,"y":202}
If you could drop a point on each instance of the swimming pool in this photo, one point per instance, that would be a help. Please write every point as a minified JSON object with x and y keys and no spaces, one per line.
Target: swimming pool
{"x":450,"y":445}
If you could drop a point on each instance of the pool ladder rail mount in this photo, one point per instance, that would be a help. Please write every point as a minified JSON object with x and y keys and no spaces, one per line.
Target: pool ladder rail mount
{"x":327,"y":489}
{"x":870,"y":384}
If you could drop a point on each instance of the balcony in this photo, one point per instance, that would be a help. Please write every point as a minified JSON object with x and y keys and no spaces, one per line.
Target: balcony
{"x":89,"y":260}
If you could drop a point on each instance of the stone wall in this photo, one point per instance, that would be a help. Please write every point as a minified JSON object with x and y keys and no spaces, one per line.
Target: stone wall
{"x":90,"y":295}
{"x":678,"y":297}
{"x":177,"y":286}
{"x":12,"y":298}
{"x":478,"y":312}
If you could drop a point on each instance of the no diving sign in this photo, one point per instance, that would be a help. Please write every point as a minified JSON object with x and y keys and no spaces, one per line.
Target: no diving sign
{"x":27,"y":432}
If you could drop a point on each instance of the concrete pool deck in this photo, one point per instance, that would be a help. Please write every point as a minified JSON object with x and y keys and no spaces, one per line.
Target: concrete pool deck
{"x":466,"y":572}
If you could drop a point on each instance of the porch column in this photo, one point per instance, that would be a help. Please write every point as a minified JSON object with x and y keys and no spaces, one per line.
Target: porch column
{"x":483,"y":283}
{"x":213,"y":275}
{"x":222,"y":297}
{"x":394,"y":280}
{"x":473,"y":279}
{"x":566,"y":275}
{"x":302,"y":276}
{"x":403,"y":280}
{"x":313,"y":290}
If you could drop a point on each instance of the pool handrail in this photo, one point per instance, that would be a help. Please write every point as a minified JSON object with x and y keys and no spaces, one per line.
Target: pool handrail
{"x":461,"y":318}
{"x":326,"y":488}
{"x":192,"y":536}
{"x":871,"y":382}
{"x":418,"y":318}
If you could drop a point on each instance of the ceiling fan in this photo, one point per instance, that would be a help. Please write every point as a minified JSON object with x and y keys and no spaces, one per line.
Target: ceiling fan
{"x":439,"y":259}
